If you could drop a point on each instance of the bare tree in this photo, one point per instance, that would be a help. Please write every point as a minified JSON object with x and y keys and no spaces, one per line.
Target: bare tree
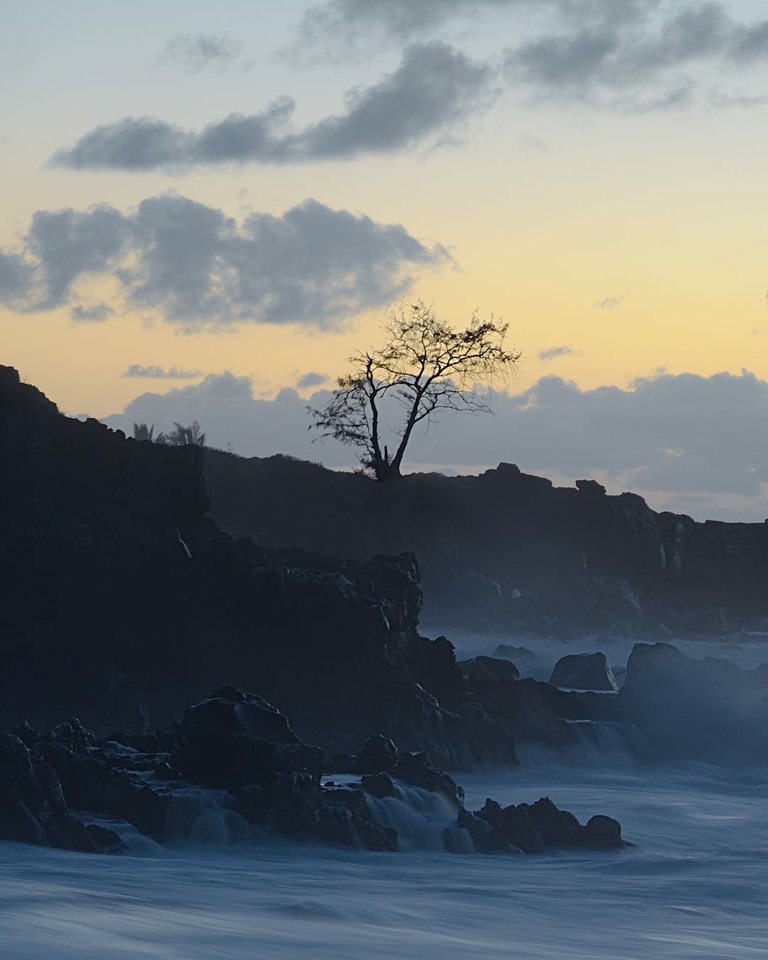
{"x":427,"y":367}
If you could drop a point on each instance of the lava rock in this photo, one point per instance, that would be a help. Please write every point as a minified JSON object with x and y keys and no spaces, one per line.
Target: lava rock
{"x":485,"y":670}
{"x":379,"y":785}
{"x":379,"y":755}
{"x":532,"y":828}
{"x":235,"y":739}
{"x":418,"y":770}
{"x":584,"y":671}
{"x":32,"y":804}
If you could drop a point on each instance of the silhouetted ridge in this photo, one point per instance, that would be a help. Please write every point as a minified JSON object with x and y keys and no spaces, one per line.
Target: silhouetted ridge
{"x":508,"y":551}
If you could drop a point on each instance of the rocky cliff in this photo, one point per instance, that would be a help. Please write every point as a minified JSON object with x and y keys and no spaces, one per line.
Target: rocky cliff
{"x":507,"y":551}
{"x":122,"y":601}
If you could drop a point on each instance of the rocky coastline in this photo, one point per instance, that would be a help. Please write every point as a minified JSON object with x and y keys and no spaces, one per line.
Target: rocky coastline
{"x":233,"y":765}
{"x":125,"y":598}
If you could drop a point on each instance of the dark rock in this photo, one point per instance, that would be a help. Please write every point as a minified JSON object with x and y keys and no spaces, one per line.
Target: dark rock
{"x":379,"y":785}
{"x":90,"y":781}
{"x":485,"y":838}
{"x":512,"y":826}
{"x":73,"y":731}
{"x":590,"y":488}
{"x":527,"y":710}
{"x":541,"y":825}
{"x":485,"y":670}
{"x":346,"y":819}
{"x":164,"y":771}
{"x":340,"y":763}
{"x":379,"y":755}
{"x":106,"y":840}
{"x":90,"y":518}
{"x":707,"y":709}
{"x":418,"y":770}
{"x":434,"y":666}
{"x":522,"y":657}
{"x":603,"y":833}
{"x":234,"y":739}
{"x":584,"y":671}
{"x":26,"y":733}
{"x":264,"y":774}
{"x":32,"y":804}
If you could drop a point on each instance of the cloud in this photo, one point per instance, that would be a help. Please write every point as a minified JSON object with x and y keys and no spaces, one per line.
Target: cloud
{"x":62,"y":246}
{"x":636,"y":64}
{"x":434,"y":89}
{"x":552,"y":353}
{"x":311,"y":379}
{"x":628,"y":55}
{"x":153,"y":372}
{"x":749,"y":43}
{"x":96,"y":313}
{"x":201,"y":51}
{"x":15,"y":278}
{"x":337,"y":23}
{"x":198,"y":268}
{"x":684,"y":439}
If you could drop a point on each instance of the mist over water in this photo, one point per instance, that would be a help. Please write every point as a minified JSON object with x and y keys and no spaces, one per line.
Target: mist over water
{"x":692,"y":887}
{"x":748,"y":654}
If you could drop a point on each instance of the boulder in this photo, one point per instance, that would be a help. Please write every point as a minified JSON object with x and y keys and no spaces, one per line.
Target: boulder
{"x":485,"y":670}
{"x":379,"y":785}
{"x":541,"y":825}
{"x":705,"y":709}
{"x":522,"y":657}
{"x":379,"y":755}
{"x":418,"y":770}
{"x":234,"y":739}
{"x":584,"y":671}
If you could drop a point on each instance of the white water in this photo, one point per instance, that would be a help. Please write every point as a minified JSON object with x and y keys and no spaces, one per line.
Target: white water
{"x":421,"y":819}
{"x":200,"y":817}
{"x":693,"y":887}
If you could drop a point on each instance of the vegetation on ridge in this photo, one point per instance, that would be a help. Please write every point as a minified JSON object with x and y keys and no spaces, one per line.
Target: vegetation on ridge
{"x":427,"y":367}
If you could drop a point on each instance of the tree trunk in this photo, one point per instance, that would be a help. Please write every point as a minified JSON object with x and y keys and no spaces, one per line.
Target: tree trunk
{"x":385,"y":471}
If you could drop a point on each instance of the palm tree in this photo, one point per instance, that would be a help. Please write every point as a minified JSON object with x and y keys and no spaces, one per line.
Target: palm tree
{"x":191,"y":436}
{"x":142,"y":432}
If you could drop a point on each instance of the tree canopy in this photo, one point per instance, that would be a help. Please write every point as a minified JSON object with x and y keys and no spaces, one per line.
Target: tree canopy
{"x":423,"y":364}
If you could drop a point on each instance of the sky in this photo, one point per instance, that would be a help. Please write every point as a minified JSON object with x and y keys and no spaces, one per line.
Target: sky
{"x":207,"y":208}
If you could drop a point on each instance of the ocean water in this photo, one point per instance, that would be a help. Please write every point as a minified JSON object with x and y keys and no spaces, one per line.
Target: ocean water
{"x":694,"y":885}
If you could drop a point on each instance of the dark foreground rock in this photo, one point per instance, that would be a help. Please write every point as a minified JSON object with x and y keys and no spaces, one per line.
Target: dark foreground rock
{"x":234,"y":764}
{"x":532,"y":828}
{"x":32,"y":804}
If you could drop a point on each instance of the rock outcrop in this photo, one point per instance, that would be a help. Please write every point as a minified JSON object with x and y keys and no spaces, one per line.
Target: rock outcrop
{"x":123,"y":601}
{"x":584,"y":671}
{"x":233,"y":764}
